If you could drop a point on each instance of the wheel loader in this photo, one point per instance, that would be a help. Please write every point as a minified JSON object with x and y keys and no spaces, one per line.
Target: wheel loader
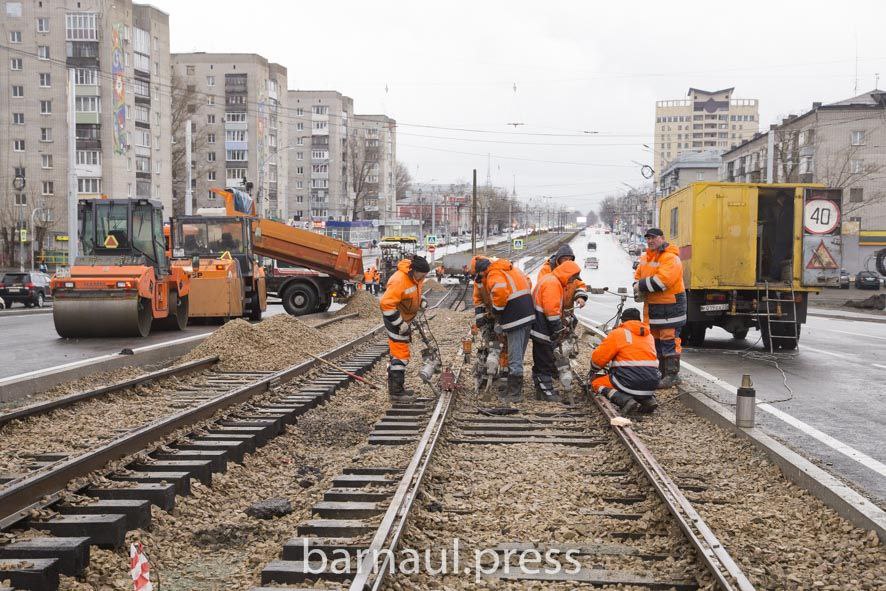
{"x":122,"y":283}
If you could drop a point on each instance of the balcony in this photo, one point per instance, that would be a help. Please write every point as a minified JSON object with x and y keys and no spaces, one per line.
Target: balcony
{"x":236,"y":145}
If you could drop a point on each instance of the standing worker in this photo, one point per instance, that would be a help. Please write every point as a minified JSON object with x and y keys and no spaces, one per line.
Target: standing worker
{"x":508,"y":290}
{"x":550,"y":298}
{"x":376,"y":280}
{"x":629,"y":350}
{"x":660,"y":285}
{"x":579,"y":288}
{"x":368,"y":274}
{"x":400,"y":303}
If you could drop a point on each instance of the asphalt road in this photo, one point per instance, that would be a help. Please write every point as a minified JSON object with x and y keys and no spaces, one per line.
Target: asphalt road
{"x":835,"y":383}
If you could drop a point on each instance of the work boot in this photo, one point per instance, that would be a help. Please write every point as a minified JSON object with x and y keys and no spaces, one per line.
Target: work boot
{"x":396,"y":390}
{"x":629,"y":407}
{"x":624,"y":402}
{"x":671,"y":374}
{"x":648,"y":404}
{"x":515,"y":388}
{"x":539,"y":391}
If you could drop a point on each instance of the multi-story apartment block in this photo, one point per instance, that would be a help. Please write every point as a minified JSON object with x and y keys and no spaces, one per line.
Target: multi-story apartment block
{"x":118,"y":55}
{"x":838,"y":144}
{"x":375,"y":189}
{"x":320,"y":184}
{"x":689,"y":167}
{"x":237,"y":107}
{"x":704,"y":121}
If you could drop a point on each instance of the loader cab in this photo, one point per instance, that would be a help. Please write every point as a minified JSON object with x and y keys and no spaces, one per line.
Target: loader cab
{"x":214,"y":237}
{"x":123,"y":227}
{"x":775,"y":234}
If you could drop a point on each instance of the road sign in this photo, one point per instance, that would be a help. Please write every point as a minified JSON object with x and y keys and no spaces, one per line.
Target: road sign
{"x":431,"y":239}
{"x":822,"y":258}
{"x":23,"y":235}
{"x":821,"y":216}
{"x":518,"y":244}
{"x":432,"y":249}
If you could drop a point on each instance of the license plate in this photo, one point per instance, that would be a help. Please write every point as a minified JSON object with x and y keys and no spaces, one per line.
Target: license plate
{"x":15,"y":289}
{"x":714,"y":307}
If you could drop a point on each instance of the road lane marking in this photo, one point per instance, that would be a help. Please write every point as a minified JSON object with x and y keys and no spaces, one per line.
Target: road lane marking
{"x":878,"y":365}
{"x":837,"y":355}
{"x":858,"y":334}
{"x":831,"y":442}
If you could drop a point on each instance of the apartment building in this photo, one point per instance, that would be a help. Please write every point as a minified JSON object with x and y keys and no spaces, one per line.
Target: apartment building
{"x":838,"y":144}
{"x":236,"y":103}
{"x":376,"y":137}
{"x":687,"y":168}
{"x":119,"y":56}
{"x":706,"y":120}
{"x":320,"y":184}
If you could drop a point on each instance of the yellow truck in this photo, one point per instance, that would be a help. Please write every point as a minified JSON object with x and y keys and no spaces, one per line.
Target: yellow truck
{"x":751,"y":255}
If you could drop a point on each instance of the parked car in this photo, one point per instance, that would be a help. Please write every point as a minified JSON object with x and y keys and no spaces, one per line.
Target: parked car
{"x":867,"y":280}
{"x":591,"y":263}
{"x":30,"y":288}
{"x":845,"y":279}
{"x":592,"y":246}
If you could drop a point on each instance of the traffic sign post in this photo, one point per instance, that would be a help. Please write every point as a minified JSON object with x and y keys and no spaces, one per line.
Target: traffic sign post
{"x":518,"y":244}
{"x":431,"y":240}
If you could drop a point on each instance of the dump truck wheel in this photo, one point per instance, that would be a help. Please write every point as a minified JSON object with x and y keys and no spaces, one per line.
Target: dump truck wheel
{"x":299,"y":300}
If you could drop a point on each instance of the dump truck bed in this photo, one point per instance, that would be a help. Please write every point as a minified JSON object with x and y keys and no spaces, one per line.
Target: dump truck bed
{"x":306,"y":249}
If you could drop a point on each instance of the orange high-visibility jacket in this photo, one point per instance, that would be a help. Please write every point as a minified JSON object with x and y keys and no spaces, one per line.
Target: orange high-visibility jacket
{"x":401,"y":300}
{"x":548,"y":298}
{"x":630,"y":352}
{"x":660,"y":275}
{"x":369,"y":274}
{"x":579,"y":287}
{"x":510,"y":292}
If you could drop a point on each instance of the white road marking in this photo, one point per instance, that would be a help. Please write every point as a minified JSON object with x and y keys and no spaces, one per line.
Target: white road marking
{"x":878,"y":365}
{"x":823,"y":352}
{"x":858,"y":334}
{"x":831,"y":442}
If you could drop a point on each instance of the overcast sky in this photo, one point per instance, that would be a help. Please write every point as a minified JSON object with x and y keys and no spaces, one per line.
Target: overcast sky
{"x":446,"y":71}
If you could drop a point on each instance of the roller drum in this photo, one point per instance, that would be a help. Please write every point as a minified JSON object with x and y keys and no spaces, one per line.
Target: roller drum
{"x":102,"y":317}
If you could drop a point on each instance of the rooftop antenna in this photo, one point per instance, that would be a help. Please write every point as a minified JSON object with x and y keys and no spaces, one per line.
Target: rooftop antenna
{"x":516,"y":124}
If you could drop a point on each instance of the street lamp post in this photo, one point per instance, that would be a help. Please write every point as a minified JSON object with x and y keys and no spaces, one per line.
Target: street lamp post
{"x":34,"y":235}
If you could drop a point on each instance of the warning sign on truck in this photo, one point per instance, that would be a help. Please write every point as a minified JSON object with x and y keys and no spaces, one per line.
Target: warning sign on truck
{"x":822,"y":258}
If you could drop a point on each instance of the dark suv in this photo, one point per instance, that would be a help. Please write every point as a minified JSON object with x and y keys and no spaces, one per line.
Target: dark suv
{"x":30,"y":288}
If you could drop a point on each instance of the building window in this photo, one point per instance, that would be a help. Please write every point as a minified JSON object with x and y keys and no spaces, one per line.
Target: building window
{"x":48,"y":188}
{"x":299,"y":126}
{"x":300,"y":170}
{"x":21,"y":200}
{"x":86,"y":76}
{"x":15,"y":63}
{"x":43,"y":52}
{"x":299,"y":155}
{"x":320,"y":110}
{"x":142,"y":114}
{"x":856,"y":195}
{"x":45,"y":160}
{"x":210,"y":156}
{"x":15,"y":36}
{"x":210,"y":138}
{"x":235,"y":135}
{"x":43,"y":25}
{"x":45,"y":80}
{"x":210,"y":119}
{"x":210,"y":100}
{"x":80,"y":26}
{"x":319,"y":168}
{"x":856,"y":166}
{"x":190,"y":70}
{"x":142,"y":164}
{"x":236,"y":174}
{"x":320,"y":125}
{"x":18,"y":118}
{"x":300,"y":141}
{"x":141,"y":88}
{"x":18,"y":145}
{"x":299,"y":112}
{"x":235,"y":117}
{"x":210,"y":81}
{"x":236,"y":155}
{"x":18,"y":91}
{"x":45,"y":134}
{"x":299,"y":185}
{"x":14,"y":9}
{"x":857,"y":138}
{"x":89,"y":185}
{"x":46,"y":107}
{"x":210,"y":175}
{"x":320,"y":154}
{"x":88,"y":104}
{"x":89,"y":157}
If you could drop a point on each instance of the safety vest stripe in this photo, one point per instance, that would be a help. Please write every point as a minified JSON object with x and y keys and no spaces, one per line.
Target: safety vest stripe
{"x":517,"y":294}
{"x":518,"y":322}
{"x":659,"y":283}
{"x":629,"y":337}
{"x":390,"y":312}
{"x":539,"y":336}
{"x":395,"y":336}
{"x":554,"y":317}
{"x":618,"y":385}
{"x":655,"y":321}
{"x":410,"y":290}
{"x":641,"y":363}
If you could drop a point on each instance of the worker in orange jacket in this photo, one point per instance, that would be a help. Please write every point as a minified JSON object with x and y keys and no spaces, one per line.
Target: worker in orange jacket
{"x":579,"y":287}
{"x":368,"y":275}
{"x":629,"y":351}
{"x":376,"y":280}
{"x":508,"y":291}
{"x":400,"y":303}
{"x":548,"y":330}
{"x":659,"y":283}
{"x":482,"y":303}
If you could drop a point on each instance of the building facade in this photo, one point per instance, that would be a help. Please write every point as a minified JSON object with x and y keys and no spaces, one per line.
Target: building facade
{"x":375,"y":161}
{"x":689,"y":167}
{"x":839,"y":145}
{"x":320,"y":184}
{"x":706,"y":120}
{"x":118,"y":55}
{"x":236,"y":103}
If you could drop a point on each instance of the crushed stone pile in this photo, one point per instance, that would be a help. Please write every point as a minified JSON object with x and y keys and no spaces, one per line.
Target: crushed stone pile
{"x":362,"y":303}
{"x":270,"y":345}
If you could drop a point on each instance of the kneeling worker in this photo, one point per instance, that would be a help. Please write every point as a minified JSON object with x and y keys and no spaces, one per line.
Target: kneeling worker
{"x":400,"y":303}
{"x":633,"y":365}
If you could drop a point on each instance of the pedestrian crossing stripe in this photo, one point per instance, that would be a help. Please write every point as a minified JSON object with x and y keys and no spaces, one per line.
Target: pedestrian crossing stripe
{"x":111,"y":241}
{"x":822,"y":258}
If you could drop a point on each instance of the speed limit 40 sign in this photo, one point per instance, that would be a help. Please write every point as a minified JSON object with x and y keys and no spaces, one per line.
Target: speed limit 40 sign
{"x":821,"y":216}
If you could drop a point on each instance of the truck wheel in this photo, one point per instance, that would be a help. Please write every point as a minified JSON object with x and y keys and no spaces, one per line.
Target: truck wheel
{"x":254,"y":307}
{"x":693,"y":334}
{"x":325,"y":305}
{"x":299,"y":300}
{"x":740,"y":334}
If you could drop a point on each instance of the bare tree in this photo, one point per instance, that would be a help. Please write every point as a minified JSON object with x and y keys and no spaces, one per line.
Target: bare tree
{"x":609,"y":210}
{"x":592,"y":218}
{"x":186,"y":102}
{"x":402,"y":180}
{"x":363,"y":167}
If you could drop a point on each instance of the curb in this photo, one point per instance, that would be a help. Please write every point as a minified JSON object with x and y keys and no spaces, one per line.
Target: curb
{"x":853,"y":318}
{"x":26,"y":312}
{"x":843,"y":499}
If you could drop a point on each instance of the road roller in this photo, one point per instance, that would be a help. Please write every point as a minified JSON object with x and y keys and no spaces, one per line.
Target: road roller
{"x":122,"y":283}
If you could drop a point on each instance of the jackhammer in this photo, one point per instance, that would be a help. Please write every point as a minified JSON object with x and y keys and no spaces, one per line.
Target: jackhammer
{"x":432,"y":363}
{"x":491,"y":362}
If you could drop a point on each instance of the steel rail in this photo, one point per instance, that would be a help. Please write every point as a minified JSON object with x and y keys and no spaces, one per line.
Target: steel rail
{"x":393,"y":522}
{"x":65,"y":401}
{"x":334,"y":320}
{"x":716,"y":558}
{"x":21,"y":494}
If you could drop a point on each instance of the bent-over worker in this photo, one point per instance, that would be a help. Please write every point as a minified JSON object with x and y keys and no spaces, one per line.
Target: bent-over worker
{"x":579,"y":296}
{"x":629,"y":350}
{"x":400,"y":303}
{"x":659,"y":283}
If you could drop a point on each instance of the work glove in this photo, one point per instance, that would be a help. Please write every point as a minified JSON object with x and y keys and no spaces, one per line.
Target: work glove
{"x":580,"y":302}
{"x":638,"y":295}
{"x":497,"y":329}
{"x":405,"y":328}
{"x":423,"y":304}
{"x":482,"y":321}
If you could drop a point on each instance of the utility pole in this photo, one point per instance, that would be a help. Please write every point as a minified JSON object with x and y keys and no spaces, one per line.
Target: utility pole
{"x":73,"y":234}
{"x":510,"y":242}
{"x":474,"y":217}
{"x":189,"y":208}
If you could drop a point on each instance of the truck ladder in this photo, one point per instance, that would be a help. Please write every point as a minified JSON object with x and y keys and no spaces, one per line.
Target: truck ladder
{"x":774,"y":315}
